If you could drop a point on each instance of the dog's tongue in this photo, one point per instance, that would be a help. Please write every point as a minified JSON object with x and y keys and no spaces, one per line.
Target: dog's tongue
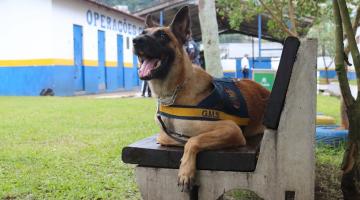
{"x":147,"y":66}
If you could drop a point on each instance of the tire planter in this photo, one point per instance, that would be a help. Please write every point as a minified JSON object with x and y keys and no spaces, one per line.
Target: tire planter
{"x":330,"y":136}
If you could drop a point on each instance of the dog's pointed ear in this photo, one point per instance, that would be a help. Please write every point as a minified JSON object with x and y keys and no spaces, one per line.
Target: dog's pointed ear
{"x":149,"y":22}
{"x":180,"y":25}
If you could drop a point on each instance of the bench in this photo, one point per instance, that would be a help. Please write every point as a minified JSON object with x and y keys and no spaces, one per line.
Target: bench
{"x":278,"y":165}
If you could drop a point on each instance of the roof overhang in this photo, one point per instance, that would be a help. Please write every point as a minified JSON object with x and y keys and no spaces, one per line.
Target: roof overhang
{"x":169,"y":9}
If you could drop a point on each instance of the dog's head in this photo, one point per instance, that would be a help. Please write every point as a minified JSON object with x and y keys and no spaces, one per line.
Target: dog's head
{"x":160,"y":48}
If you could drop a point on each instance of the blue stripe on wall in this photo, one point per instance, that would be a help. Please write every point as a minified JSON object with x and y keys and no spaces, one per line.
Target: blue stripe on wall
{"x":128,"y":77}
{"x":111,"y":79}
{"x":91,"y":80}
{"x":78,"y":57}
{"x":238,"y":69}
{"x":229,"y":74}
{"x":101,"y":60}
{"x":332,"y":74}
{"x":64,"y":82}
{"x":135,"y":72}
{"x":120,"y":53}
{"x":239,"y":73}
{"x":257,"y":63}
{"x":29,"y":81}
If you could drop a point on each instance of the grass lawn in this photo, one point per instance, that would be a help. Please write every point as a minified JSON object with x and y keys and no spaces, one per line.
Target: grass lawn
{"x":329,"y":106}
{"x":323,"y":81}
{"x":69,"y":148}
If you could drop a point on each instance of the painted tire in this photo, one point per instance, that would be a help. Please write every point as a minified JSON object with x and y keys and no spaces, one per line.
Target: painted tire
{"x":324,"y":120}
{"x":330,"y":136}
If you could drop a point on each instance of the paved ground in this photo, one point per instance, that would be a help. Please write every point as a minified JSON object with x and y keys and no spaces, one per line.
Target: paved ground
{"x":119,"y":94}
{"x":334,"y":89}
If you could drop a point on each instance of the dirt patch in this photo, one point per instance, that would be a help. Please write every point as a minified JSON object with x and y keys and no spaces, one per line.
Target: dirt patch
{"x":327,"y":182}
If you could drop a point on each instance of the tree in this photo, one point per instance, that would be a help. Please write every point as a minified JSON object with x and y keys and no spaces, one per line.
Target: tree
{"x":210,"y":39}
{"x":323,"y":31}
{"x":286,"y":18}
{"x":326,"y":45}
{"x":350,"y":182}
{"x":355,"y":25}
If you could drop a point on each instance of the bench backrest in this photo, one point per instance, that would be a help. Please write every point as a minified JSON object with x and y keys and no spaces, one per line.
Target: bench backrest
{"x":282,"y":80}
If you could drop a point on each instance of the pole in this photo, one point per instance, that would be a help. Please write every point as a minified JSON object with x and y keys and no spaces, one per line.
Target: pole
{"x":161,"y":18}
{"x":259,"y":35}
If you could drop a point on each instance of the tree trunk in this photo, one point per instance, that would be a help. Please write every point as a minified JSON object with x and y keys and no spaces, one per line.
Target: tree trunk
{"x":343,"y":115}
{"x":350,"y":182}
{"x":210,"y":37}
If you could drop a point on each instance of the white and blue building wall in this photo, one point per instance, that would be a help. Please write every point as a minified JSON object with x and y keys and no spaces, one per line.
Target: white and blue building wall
{"x":270,"y":60}
{"x":69,"y":46}
{"x":232,"y":66}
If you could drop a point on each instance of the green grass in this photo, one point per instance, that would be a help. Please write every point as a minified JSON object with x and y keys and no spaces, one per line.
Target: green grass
{"x":352,"y":82}
{"x":329,"y":105}
{"x":328,"y":159}
{"x":323,"y":81}
{"x":69,"y":148}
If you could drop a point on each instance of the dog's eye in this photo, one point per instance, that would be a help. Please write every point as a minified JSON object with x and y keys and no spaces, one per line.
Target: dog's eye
{"x":161,"y":35}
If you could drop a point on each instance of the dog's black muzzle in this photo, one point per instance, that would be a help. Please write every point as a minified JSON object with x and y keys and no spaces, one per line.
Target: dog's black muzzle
{"x":147,"y":46}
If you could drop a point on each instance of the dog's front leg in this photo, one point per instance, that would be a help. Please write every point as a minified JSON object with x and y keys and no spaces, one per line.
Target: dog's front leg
{"x":223,"y":134}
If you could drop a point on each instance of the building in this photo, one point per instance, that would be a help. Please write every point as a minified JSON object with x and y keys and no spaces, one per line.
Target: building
{"x":69,"y":46}
{"x":232,"y":53}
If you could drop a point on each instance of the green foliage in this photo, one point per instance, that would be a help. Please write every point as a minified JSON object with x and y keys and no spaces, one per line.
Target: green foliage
{"x":237,"y":11}
{"x":306,"y":13}
{"x":324,"y":32}
{"x":233,"y":38}
{"x":324,"y":29}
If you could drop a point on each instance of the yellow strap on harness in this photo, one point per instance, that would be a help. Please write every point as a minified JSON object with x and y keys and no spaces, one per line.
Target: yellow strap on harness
{"x":201,"y":113}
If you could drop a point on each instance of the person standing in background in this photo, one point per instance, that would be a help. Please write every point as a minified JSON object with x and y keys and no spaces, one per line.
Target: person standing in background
{"x":145,"y":88}
{"x":245,"y":66}
{"x":193,"y":51}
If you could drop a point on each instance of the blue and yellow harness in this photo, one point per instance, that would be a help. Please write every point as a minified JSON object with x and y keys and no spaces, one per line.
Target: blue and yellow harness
{"x":225,"y":102}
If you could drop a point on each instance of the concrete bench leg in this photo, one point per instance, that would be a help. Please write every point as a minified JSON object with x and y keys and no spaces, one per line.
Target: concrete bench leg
{"x":159,"y":184}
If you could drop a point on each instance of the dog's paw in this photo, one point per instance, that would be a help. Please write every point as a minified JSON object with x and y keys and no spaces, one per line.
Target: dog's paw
{"x":186,"y":179}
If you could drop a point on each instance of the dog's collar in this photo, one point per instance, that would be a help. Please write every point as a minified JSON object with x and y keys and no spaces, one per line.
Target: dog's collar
{"x":168,"y":101}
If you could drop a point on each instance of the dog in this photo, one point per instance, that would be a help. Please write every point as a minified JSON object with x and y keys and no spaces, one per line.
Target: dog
{"x":181,"y":87}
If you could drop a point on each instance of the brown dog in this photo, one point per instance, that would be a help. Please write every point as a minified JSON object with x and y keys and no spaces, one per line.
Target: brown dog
{"x":176,"y":82}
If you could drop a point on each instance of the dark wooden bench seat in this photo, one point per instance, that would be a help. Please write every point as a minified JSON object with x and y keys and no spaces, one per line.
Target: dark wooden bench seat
{"x":148,"y":153}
